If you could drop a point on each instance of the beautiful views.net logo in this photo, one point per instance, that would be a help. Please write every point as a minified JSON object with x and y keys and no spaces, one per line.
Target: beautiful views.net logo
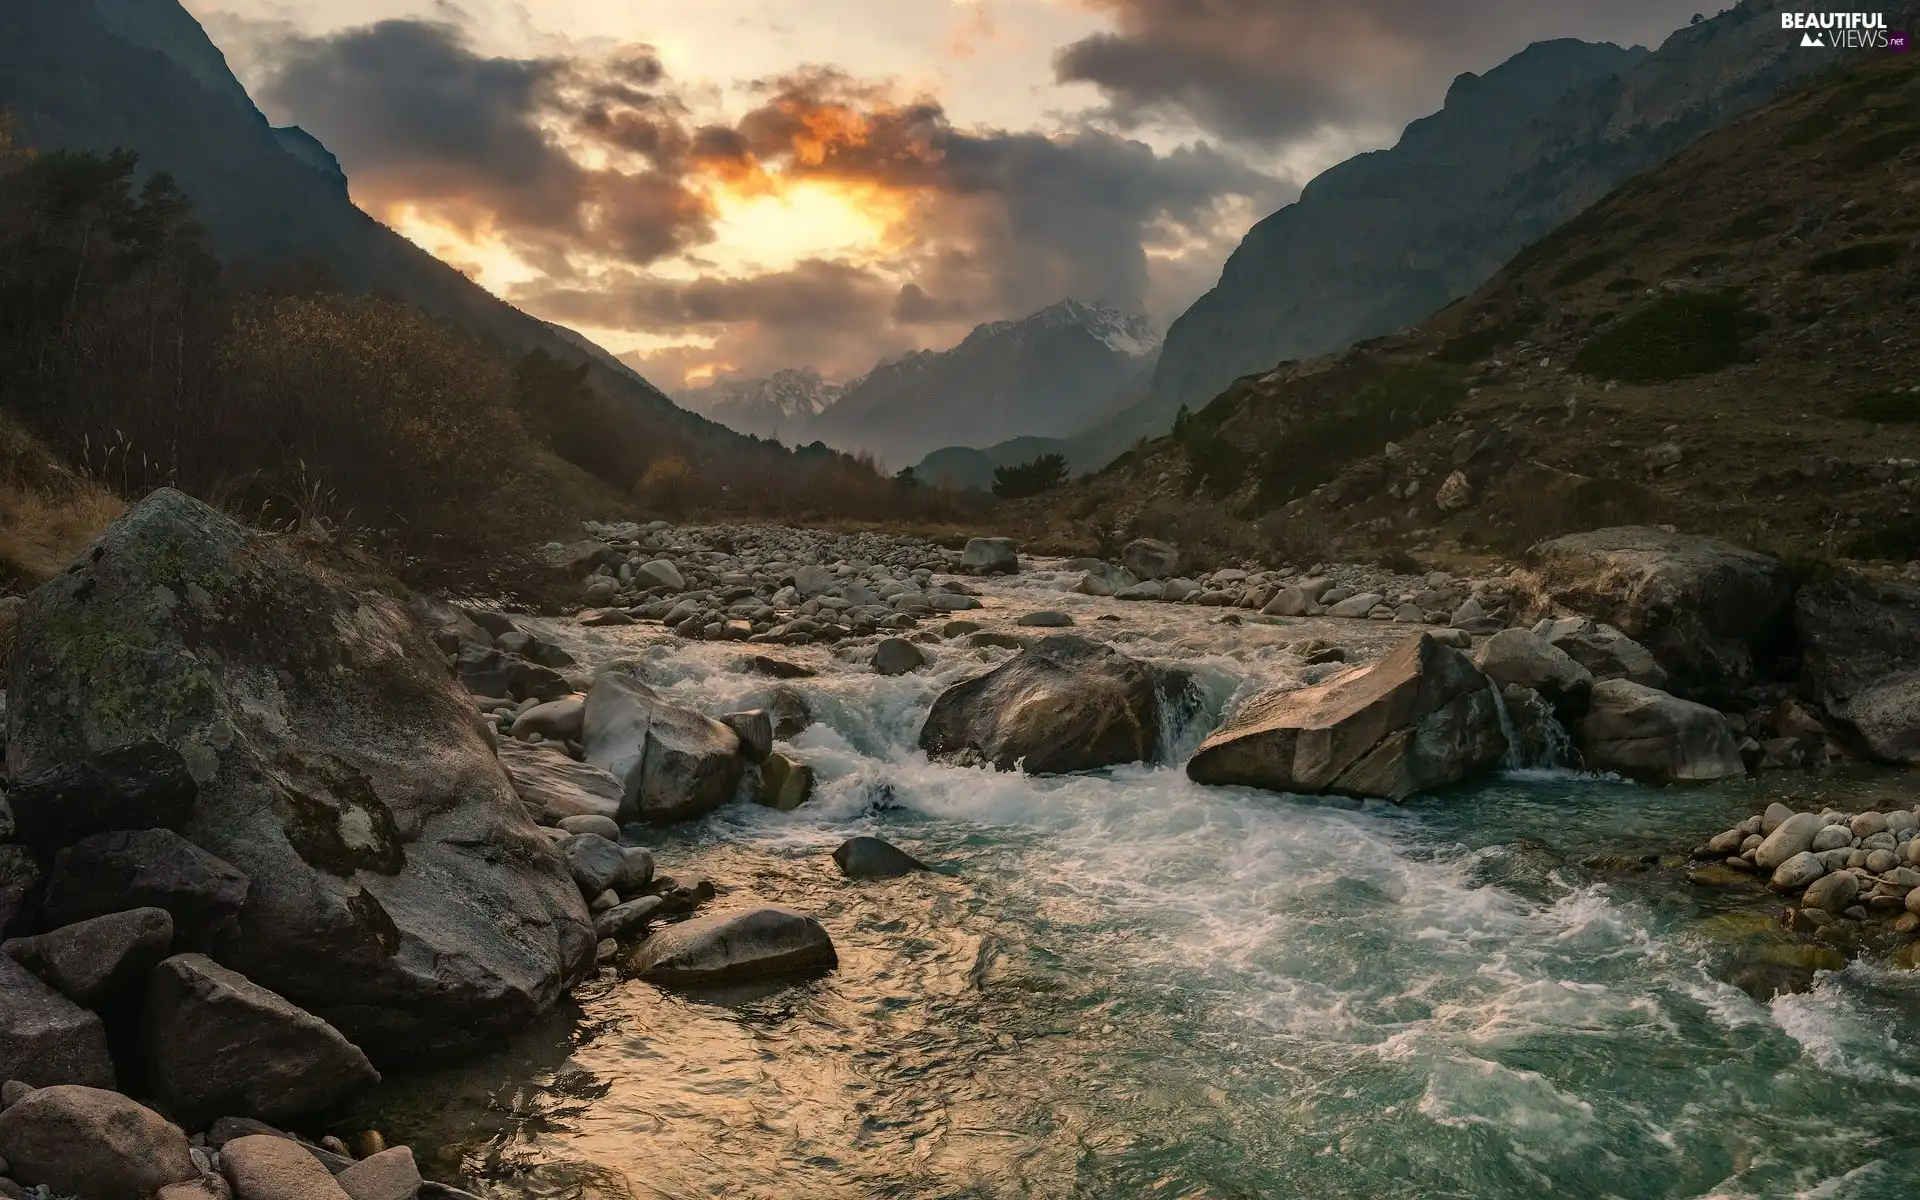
{"x":1844,"y":31}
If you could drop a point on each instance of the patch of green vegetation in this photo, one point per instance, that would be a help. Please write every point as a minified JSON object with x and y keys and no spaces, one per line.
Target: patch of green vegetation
{"x":1585,"y":267}
{"x":1403,"y":400}
{"x":1626,"y":283}
{"x":1879,"y":148}
{"x":1764,"y":221}
{"x":1861,"y":256}
{"x":1672,"y":338}
{"x":1887,"y":408}
{"x":1219,"y":466}
{"x":1476,"y":344}
{"x":1814,"y":126}
{"x":1898,"y":542}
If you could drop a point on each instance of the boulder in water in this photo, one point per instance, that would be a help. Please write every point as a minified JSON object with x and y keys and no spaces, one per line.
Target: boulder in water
{"x":1603,"y":650}
{"x":873,"y":858}
{"x":1066,"y":704}
{"x":990,"y":556}
{"x":1653,"y":737}
{"x":1860,"y":647}
{"x":556,"y":720}
{"x":1151,"y":560}
{"x":398,"y":887}
{"x":785,"y":783}
{"x":1105,"y":579}
{"x":734,"y":948}
{"x":897,"y":656}
{"x":1423,"y":717}
{"x":672,"y":763}
{"x":1515,"y":656}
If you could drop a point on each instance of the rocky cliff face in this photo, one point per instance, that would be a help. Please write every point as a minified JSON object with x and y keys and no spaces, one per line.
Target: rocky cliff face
{"x":1383,"y":240}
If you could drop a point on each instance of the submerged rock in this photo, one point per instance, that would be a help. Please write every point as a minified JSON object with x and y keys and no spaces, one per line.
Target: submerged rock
{"x":897,"y":656}
{"x":93,"y":1144}
{"x":733,"y":948}
{"x":872,"y":858}
{"x":1656,"y":738}
{"x":1860,"y":647}
{"x":1421,"y":718}
{"x":1066,"y":704}
{"x":340,"y":768}
{"x":672,"y":763}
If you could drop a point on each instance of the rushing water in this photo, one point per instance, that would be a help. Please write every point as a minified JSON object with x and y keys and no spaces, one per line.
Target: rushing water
{"x":1130,"y":986}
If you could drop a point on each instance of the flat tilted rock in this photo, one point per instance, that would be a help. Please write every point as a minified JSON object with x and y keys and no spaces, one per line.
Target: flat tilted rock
{"x":92,"y":1144}
{"x":45,"y":1038}
{"x":1066,"y":704}
{"x":148,"y":868}
{"x":398,"y":887}
{"x":94,"y":960}
{"x":219,"y":1045}
{"x":672,"y":763}
{"x":734,"y":948}
{"x":1421,"y":718}
{"x":556,"y":787}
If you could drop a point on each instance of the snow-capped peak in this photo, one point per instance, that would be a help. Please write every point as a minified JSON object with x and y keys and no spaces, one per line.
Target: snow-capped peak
{"x":1124,"y":333}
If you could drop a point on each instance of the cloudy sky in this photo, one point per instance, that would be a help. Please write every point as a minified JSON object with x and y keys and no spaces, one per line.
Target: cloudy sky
{"x":718,"y":187}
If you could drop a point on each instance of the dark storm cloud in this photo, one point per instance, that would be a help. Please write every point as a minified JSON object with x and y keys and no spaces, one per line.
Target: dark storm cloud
{"x":1271,"y":71}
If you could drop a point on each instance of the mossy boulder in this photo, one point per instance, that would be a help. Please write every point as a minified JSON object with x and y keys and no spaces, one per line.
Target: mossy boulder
{"x":399,"y":889}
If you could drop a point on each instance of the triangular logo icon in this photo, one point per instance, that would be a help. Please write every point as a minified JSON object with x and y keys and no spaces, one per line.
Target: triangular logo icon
{"x":1812,"y":41}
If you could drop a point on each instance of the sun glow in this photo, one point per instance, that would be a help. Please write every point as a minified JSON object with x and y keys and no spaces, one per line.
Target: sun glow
{"x":772,"y":228}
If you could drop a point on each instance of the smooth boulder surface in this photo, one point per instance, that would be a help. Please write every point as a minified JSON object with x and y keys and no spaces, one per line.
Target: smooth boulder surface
{"x":1709,"y":611}
{"x":672,"y":763}
{"x":755,"y":731}
{"x":1150,"y":560}
{"x":555,"y":787}
{"x":92,"y":1144}
{"x":734,"y":947}
{"x":220,"y":1045}
{"x":1603,"y":650}
{"x":1653,"y":737}
{"x":1064,"y":705}
{"x":596,"y":862}
{"x":142,"y":786}
{"x":990,"y":556}
{"x":149,"y":868}
{"x":1792,"y":837}
{"x":262,"y":1166}
{"x":1421,"y":718}
{"x":897,"y":656}
{"x":92,"y":960}
{"x":1515,"y":656}
{"x":388,"y":1175}
{"x":399,"y":888}
{"x":1860,"y":660}
{"x":557,"y":720}
{"x":45,"y":1038}
{"x":873,"y":858}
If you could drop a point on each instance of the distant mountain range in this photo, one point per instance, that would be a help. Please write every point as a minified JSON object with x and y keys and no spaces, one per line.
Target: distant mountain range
{"x":1041,"y":376}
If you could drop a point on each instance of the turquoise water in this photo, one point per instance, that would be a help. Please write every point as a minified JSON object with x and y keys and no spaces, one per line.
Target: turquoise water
{"x":1130,"y":986}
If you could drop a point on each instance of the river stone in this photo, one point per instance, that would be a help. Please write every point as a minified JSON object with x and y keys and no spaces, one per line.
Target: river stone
{"x":1860,"y":646}
{"x":596,"y":862}
{"x":990,"y":556}
{"x":94,"y":960}
{"x":218,"y":1045}
{"x":1708,"y":610}
{"x":897,"y":656}
{"x":398,"y":886}
{"x":555,"y":787}
{"x":1602,"y":650}
{"x":1045,"y":620}
{"x":19,"y":879}
{"x":1289,"y":602}
{"x":1791,"y":837}
{"x":623,"y":922}
{"x":45,"y":1038}
{"x":1423,"y":717}
{"x":1656,"y":738}
{"x":1066,"y":704}
{"x":1105,"y":579}
{"x":785,"y":783}
{"x":1831,"y":837}
{"x":660,"y":573}
{"x":1867,"y":824}
{"x":1515,"y":656}
{"x":755,"y":731}
{"x":811,"y":581}
{"x":558,"y":720}
{"x":94,"y":1144}
{"x":1797,"y":872}
{"x":872,"y":858}
{"x":142,"y":786}
{"x":1356,"y":606}
{"x":733,"y":947}
{"x":1775,"y":814}
{"x":593,"y":823}
{"x":672,"y":764}
{"x":388,"y":1175}
{"x":262,"y":1166}
{"x":1150,"y":559}
{"x":149,"y":868}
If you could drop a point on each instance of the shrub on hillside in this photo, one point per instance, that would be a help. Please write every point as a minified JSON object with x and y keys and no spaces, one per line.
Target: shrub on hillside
{"x":1315,"y":448}
{"x":1861,"y":256}
{"x":1042,"y":474}
{"x":1672,"y":338}
{"x":1887,"y":408}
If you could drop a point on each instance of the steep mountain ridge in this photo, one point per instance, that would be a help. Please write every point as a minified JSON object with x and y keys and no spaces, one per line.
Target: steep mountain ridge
{"x":1039,"y":376}
{"x":781,"y":406}
{"x":1387,"y":238}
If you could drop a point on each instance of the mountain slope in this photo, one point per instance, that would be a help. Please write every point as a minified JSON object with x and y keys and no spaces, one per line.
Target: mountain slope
{"x":1040,"y":376}
{"x":140,"y":74}
{"x":1725,"y":343}
{"x":1386,"y":238}
{"x":782,"y":406}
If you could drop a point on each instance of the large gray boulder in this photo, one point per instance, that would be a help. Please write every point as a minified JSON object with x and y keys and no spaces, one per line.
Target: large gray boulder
{"x":45,"y":1038}
{"x":1653,"y":737}
{"x":1602,"y":650}
{"x":398,"y":887}
{"x":554,"y":787}
{"x":1514,"y":656}
{"x":672,"y":763}
{"x":990,"y":556}
{"x":1712,"y":613}
{"x":149,"y":868}
{"x":1421,"y":718}
{"x":99,"y":959}
{"x":265,"y":1166}
{"x":1150,"y":559}
{"x":142,"y":786}
{"x":733,"y":948}
{"x":94,"y":1144}
{"x":557,"y":720}
{"x":1860,"y":660}
{"x":1066,"y":704}
{"x":218,"y":1044}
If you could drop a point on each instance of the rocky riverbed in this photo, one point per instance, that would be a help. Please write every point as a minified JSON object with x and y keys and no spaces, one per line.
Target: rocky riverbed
{"x":884,"y":866}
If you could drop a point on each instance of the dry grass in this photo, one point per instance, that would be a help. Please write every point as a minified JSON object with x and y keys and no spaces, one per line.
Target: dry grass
{"x":48,"y":514}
